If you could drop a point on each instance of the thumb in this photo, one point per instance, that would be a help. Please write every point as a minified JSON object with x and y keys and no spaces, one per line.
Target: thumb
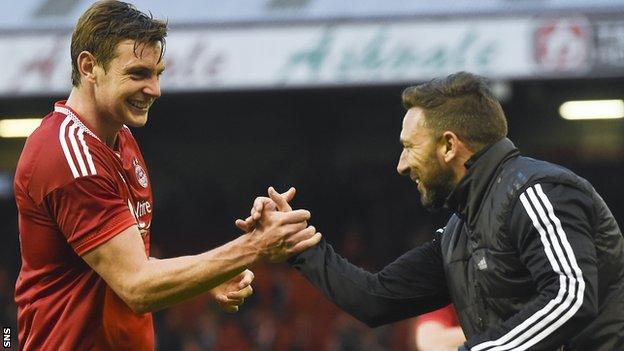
{"x":245,"y":225}
{"x":279,"y":200}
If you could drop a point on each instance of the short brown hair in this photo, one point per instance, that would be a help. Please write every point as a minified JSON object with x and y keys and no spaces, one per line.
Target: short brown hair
{"x":107,"y":23}
{"x":462,"y":103}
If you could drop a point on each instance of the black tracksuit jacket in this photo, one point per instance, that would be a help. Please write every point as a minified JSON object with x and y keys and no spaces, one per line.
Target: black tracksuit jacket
{"x":532,"y":258}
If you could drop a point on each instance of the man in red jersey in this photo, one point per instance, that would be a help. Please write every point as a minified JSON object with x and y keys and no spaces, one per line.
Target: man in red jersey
{"x":85,"y":205}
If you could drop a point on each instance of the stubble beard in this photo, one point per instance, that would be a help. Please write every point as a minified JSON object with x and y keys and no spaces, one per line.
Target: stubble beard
{"x":436,"y":186}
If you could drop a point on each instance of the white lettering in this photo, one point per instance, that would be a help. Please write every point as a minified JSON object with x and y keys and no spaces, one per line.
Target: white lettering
{"x":142,"y":208}
{"x":6,"y":337}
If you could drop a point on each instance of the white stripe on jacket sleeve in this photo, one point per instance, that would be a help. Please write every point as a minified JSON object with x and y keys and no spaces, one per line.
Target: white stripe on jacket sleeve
{"x":571,"y":284}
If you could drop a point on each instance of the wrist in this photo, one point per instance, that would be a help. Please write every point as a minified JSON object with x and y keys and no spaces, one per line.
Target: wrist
{"x":252,"y":245}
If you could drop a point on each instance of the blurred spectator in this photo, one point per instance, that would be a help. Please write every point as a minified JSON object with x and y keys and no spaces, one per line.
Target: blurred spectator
{"x":352,"y":335}
{"x":439,"y":331}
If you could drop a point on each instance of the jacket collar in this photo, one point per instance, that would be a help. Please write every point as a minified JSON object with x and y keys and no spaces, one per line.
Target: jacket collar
{"x":466,"y":197}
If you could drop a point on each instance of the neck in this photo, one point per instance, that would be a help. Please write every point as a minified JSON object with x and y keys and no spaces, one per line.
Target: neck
{"x":459,"y":166}
{"x":467,"y":196}
{"x":82,"y":100}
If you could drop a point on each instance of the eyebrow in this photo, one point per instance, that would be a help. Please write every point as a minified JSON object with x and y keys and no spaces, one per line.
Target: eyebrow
{"x":143,"y":69}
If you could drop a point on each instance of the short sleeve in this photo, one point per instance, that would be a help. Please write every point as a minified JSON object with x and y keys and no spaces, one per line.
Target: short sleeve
{"x":89,"y":211}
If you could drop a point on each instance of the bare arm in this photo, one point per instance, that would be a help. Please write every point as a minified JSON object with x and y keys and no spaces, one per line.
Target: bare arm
{"x":150,"y":284}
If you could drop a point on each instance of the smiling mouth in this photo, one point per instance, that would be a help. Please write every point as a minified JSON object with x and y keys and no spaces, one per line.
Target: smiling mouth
{"x":139,"y":105}
{"x":415,"y":179}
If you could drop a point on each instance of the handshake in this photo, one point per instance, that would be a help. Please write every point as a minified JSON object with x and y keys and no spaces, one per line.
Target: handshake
{"x":275,"y":232}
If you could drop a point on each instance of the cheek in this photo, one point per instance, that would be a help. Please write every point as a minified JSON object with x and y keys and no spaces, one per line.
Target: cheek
{"x":420,"y":161}
{"x":102,"y":96}
{"x":410,"y":159}
{"x":430,"y":167}
{"x":107,"y":93}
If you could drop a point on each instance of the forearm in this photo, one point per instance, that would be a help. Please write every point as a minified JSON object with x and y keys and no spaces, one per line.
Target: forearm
{"x":147,"y":285}
{"x":160,"y":283}
{"x":401,"y":290}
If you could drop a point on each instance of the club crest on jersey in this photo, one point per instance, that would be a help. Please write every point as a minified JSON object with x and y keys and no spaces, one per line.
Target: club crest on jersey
{"x":140,"y":173}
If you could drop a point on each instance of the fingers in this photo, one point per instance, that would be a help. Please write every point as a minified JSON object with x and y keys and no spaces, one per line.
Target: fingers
{"x":306,"y":244}
{"x":240,"y":295}
{"x":289,"y":194}
{"x":229,"y":308}
{"x":292,"y":233}
{"x":247,"y":277}
{"x":302,"y":233}
{"x":280,"y":201}
{"x":246,"y":225}
{"x":224,"y":301}
{"x":259,"y":204}
{"x":230,"y":301}
{"x":262,"y":203}
{"x":295,"y":216}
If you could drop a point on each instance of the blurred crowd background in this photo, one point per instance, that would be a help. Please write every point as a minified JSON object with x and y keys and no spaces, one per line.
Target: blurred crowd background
{"x":306,"y":93}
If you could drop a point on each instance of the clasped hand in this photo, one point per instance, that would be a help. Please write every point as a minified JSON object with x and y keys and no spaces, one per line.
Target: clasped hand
{"x":278,"y":232}
{"x":281,"y":231}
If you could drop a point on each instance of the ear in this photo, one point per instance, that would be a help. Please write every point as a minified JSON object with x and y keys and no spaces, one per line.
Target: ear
{"x":451,"y":146}
{"x":87,"y":66}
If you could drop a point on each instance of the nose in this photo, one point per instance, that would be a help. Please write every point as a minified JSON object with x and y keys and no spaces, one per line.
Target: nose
{"x":402,"y":167}
{"x":153,"y":88}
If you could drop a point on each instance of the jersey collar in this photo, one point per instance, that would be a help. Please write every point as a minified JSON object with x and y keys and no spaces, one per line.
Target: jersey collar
{"x":60,"y":107}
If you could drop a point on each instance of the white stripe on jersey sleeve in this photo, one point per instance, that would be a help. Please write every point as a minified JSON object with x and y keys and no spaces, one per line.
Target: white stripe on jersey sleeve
{"x":63,"y":141}
{"x":86,"y":151}
{"x":72,"y":139}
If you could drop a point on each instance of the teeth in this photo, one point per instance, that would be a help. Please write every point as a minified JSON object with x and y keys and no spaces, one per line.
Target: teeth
{"x":138,"y":104}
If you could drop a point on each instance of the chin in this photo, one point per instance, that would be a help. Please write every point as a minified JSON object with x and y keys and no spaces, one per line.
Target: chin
{"x":432,"y":201}
{"x":139,"y":124}
{"x":136,"y":121}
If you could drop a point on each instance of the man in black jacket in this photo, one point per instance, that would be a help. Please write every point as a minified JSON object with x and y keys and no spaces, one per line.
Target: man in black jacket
{"x":531,"y":257}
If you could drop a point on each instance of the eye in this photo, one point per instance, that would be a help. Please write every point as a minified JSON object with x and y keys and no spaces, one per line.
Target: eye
{"x":139,"y":74}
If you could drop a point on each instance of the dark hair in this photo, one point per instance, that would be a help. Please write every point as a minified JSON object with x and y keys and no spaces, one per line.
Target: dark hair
{"x":461,"y":103}
{"x":107,"y":23}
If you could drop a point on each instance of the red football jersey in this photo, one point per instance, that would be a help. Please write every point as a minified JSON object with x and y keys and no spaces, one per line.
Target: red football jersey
{"x":74,"y":193}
